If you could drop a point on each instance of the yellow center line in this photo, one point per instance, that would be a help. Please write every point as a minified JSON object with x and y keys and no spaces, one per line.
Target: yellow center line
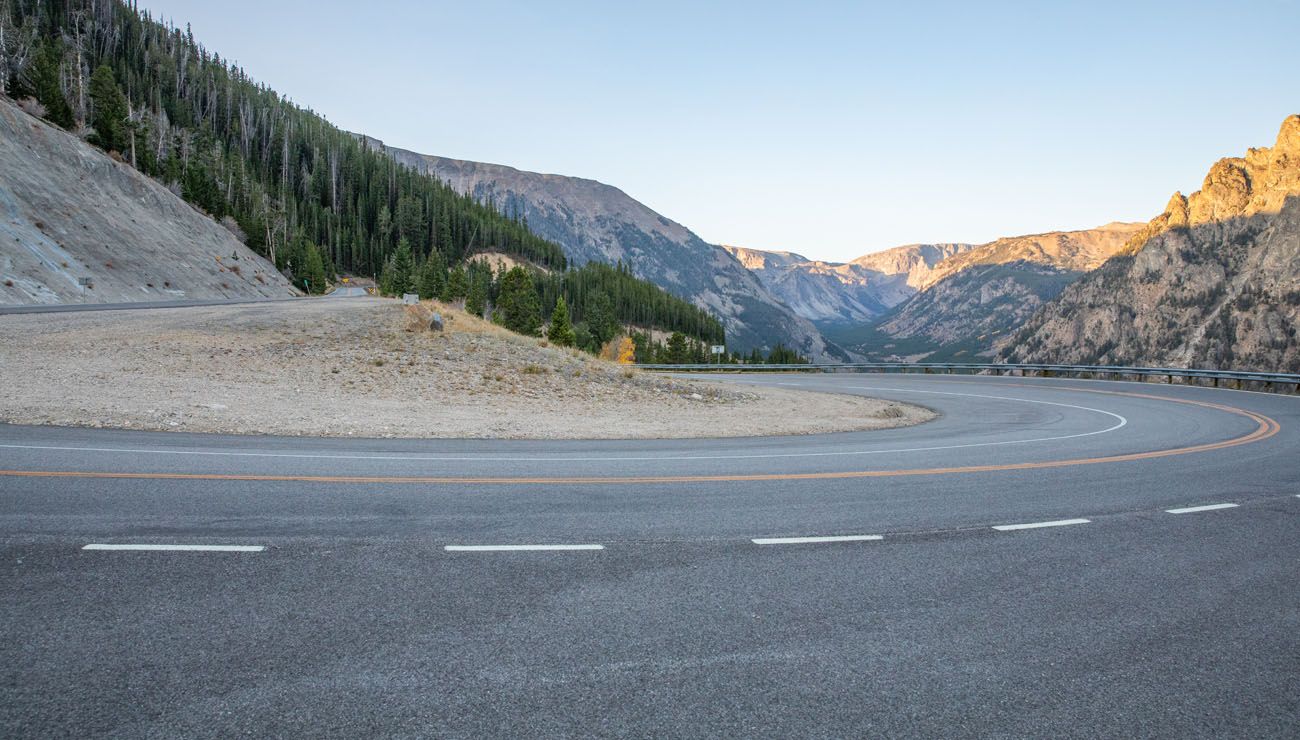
{"x":1266,"y":427}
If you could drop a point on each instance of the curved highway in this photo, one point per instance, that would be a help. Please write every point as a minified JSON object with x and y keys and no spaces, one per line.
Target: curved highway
{"x":1048,"y":557}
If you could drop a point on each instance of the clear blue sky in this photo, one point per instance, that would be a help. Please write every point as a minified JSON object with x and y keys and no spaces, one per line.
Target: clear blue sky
{"x":829,"y":129}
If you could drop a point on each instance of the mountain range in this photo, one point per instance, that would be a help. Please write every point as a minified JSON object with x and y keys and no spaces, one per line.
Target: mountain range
{"x":934,"y":300}
{"x":853,"y":292}
{"x":1213,"y":281}
{"x":593,"y":221}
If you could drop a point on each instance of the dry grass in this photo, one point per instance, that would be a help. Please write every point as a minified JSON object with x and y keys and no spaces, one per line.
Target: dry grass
{"x":370,"y":367}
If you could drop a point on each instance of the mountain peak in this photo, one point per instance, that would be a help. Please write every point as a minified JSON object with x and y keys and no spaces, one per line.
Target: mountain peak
{"x":1288,"y":137}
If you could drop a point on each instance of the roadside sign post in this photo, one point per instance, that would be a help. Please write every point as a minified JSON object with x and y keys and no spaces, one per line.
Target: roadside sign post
{"x":718,"y":350}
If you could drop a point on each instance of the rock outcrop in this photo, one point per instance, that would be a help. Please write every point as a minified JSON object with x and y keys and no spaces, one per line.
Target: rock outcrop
{"x":1066,"y":251}
{"x":1213,"y":281}
{"x":832,"y":293}
{"x":971,"y":302}
{"x":69,"y":214}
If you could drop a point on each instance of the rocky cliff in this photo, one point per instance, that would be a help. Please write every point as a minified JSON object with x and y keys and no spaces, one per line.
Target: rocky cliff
{"x":1213,"y":281}
{"x":595,"y":221}
{"x":1069,"y":251}
{"x":935,"y":301}
{"x":831,"y":293}
{"x":70,"y":213}
{"x":971,"y":302}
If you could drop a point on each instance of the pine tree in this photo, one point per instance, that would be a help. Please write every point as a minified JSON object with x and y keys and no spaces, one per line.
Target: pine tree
{"x":112,"y":130}
{"x":312,"y":273}
{"x":433,"y":276}
{"x":517,"y":307}
{"x":384,"y":226}
{"x":561,"y":331}
{"x":200,"y":189}
{"x":600,"y":318}
{"x":47,"y":84}
{"x":476,"y":295}
{"x":396,"y":279}
{"x":457,"y":285}
{"x":677,"y":351}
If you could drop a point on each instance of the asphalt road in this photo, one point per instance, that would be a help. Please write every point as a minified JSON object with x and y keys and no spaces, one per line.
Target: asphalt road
{"x":351,"y":291}
{"x":370,"y":596}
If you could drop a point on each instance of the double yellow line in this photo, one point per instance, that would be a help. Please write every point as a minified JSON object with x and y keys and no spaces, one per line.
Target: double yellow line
{"x":1265,"y":427}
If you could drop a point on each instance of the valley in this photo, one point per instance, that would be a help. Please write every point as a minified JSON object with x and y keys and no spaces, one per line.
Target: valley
{"x":377,"y":402}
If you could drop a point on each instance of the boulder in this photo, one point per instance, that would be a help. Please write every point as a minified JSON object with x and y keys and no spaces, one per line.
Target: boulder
{"x":435,"y":322}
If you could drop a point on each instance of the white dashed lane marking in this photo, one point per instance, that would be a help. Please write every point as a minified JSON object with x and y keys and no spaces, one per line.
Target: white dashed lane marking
{"x":518,"y":548}
{"x":176,"y":548}
{"x":812,"y":540}
{"x":1037,"y":525}
{"x":1194,"y":509}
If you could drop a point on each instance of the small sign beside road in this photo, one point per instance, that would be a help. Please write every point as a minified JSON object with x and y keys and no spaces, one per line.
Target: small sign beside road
{"x":718,"y":349}
{"x":410,"y":299}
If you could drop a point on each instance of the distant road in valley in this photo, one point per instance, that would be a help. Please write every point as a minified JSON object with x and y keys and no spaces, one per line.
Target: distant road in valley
{"x":343,"y":292}
{"x":1050,"y":558}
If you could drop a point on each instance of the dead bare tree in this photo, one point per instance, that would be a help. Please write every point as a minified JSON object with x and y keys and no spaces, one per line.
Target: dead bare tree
{"x":16,"y":48}
{"x":78,"y":21}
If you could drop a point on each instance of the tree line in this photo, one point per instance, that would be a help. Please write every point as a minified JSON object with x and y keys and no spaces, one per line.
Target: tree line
{"x":595,"y":303}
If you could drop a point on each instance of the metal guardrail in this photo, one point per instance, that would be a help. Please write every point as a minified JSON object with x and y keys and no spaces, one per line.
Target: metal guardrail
{"x":1109,"y":372}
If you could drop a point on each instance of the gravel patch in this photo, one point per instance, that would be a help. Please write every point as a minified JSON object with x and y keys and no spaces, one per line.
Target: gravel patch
{"x":368,"y":367}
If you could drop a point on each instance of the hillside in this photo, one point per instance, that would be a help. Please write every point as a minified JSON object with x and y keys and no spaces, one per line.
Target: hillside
{"x":299,"y":188}
{"x":1067,"y":251}
{"x":593,"y":221}
{"x":964,"y":306}
{"x":834,"y":293}
{"x":971,"y":302}
{"x":1213,"y":281}
{"x":71,"y":212}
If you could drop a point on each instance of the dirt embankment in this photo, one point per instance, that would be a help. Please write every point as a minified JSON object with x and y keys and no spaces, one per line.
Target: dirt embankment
{"x":368,"y":367}
{"x":78,"y":227}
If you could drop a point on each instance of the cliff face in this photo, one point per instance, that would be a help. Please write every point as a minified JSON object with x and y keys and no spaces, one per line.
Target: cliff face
{"x":68,"y":213}
{"x":593,"y":221}
{"x":969,"y":303}
{"x":1068,"y":251}
{"x":829,"y":293}
{"x":1213,"y":281}
{"x":908,"y":268}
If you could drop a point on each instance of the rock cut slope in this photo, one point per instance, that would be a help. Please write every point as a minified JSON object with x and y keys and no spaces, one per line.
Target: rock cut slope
{"x":1213,"y":281}
{"x":70,"y":212}
{"x":593,"y":221}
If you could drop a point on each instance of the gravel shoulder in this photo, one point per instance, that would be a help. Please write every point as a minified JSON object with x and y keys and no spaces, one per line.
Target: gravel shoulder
{"x":368,"y":367}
